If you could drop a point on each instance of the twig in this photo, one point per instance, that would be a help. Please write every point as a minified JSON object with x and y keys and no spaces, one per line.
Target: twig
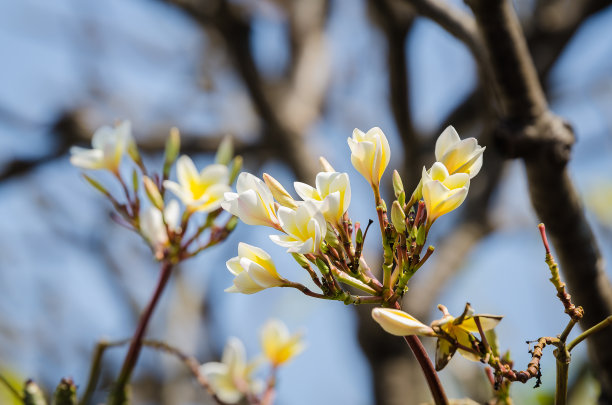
{"x":96,"y":365}
{"x":118,"y":392}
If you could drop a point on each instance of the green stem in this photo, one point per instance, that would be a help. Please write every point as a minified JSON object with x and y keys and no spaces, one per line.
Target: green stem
{"x":601,"y":325}
{"x":11,"y":389}
{"x":563,"y":360}
{"x":117,"y":395}
{"x":96,"y":365}
{"x":353,"y":282}
{"x":567,"y":330}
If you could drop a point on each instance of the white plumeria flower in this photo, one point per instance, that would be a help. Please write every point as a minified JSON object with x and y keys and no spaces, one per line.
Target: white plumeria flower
{"x":109,"y":144}
{"x":442,"y":192}
{"x":278,"y":345}
{"x":254,"y":270}
{"x":332,"y":194}
{"x":399,"y":323}
{"x":370,"y":153}
{"x":152,"y":224}
{"x":253,"y":203}
{"x":231,"y":378}
{"x":305,"y":228}
{"x":459,"y":156}
{"x":201,"y":191}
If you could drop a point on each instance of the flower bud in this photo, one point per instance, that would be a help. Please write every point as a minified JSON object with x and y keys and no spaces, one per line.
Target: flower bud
{"x":420,"y":235}
{"x":398,"y":186}
{"x":96,"y":185}
{"x":398,"y":218}
{"x":173,"y":146}
{"x":132,"y":150}
{"x":32,"y":394}
{"x":301,"y":259}
{"x":235,"y":168}
{"x":325,"y":165}
{"x":399,"y":323}
{"x":153,"y":193}
{"x":225,"y":151}
{"x":322,"y":265}
{"x":331,"y":238}
{"x":278,"y":191}
{"x":65,"y":393}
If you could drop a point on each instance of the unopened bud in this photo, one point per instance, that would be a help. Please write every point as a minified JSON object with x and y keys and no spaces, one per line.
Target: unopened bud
{"x":135,"y":183}
{"x":417,"y":194}
{"x":132,"y":150}
{"x":32,"y":394}
{"x":322,"y":266}
{"x":301,"y":259}
{"x":235,"y":168}
{"x":398,"y":186}
{"x":65,"y":393}
{"x":420,"y":236}
{"x":173,"y":146}
{"x":331,"y":238}
{"x":231,"y":224}
{"x":96,"y":185}
{"x":359,"y":237}
{"x":327,"y":167}
{"x":279,"y":193}
{"x":153,"y":193}
{"x":398,"y":218}
{"x":225,"y":151}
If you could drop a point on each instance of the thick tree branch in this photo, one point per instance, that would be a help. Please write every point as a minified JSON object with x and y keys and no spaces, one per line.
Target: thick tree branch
{"x":543,"y":141}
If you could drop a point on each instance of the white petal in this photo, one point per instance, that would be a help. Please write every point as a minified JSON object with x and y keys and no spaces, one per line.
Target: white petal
{"x":178,"y":191}
{"x":445,"y":141}
{"x":399,"y":323}
{"x":186,"y":172}
{"x":305,"y":191}
{"x":172,"y":214}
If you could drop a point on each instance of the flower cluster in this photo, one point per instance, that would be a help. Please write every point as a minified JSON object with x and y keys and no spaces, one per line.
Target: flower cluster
{"x":233,"y":378}
{"x":172,"y":235}
{"x":319,"y":233}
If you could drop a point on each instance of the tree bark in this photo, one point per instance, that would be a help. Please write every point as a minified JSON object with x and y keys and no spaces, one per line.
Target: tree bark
{"x":530,"y":131}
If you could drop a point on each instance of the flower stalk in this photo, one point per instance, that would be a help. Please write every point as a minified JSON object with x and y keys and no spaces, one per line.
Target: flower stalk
{"x":118,"y":394}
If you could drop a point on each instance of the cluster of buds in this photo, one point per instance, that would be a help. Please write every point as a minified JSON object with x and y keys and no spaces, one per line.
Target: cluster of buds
{"x":168,"y":225}
{"x":233,"y":379}
{"x":319,"y":233}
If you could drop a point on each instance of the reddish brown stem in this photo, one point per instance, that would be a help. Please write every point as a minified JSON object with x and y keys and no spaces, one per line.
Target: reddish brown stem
{"x":435,"y":386}
{"x":136,"y":345}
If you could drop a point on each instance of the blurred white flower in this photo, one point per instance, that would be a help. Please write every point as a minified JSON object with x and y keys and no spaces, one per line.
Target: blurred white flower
{"x":152,"y":224}
{"x":201,"y":191}
{"x":109,"y":145}
{"x":278,"y":345}
{"x":231,"y":379}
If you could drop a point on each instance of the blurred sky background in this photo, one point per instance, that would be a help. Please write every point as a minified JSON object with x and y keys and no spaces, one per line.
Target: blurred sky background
{"x":69,"y":276}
